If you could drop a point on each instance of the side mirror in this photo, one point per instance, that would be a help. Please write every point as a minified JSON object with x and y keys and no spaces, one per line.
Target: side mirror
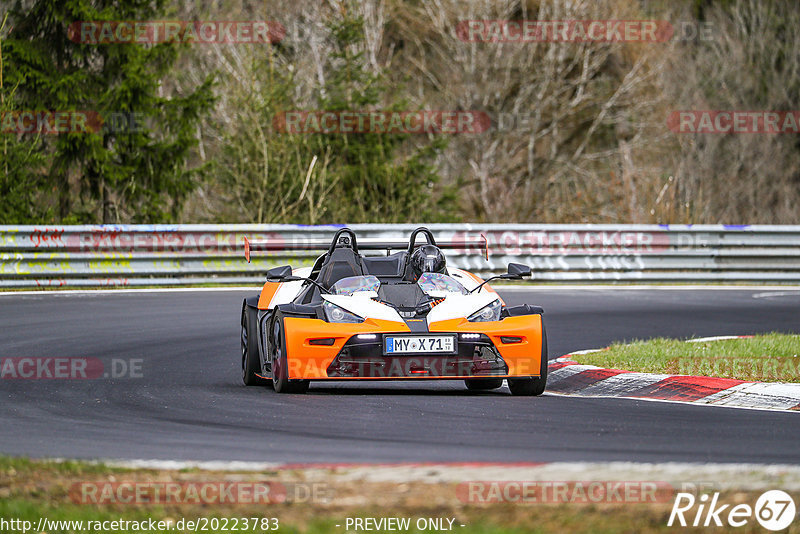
{"x":519,"y":270}
{"x":515,"y":272}
{"x":279,"y":274}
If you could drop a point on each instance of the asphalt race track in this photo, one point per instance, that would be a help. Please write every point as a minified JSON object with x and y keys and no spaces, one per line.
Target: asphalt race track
{"x":190,"y":404}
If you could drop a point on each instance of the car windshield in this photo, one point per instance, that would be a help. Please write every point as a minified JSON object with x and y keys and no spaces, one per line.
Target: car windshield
{"x":440,"y":283}
{"x":352,"y":284}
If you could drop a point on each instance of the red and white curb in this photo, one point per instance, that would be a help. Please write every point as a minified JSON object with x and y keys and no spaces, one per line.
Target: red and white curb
{"x":568,"y":377}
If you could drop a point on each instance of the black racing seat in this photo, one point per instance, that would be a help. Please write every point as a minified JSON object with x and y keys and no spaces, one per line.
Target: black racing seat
{"x":340,"y":263}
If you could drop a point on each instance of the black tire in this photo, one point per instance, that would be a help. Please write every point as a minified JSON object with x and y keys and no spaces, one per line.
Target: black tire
{"x":280,"y":365}
{"x":483,"y":384}
{"x":532,"y":387}
{"x":251,"y":363}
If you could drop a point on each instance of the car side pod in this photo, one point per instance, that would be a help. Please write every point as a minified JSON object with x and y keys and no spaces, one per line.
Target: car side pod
{"x":532,"y":387}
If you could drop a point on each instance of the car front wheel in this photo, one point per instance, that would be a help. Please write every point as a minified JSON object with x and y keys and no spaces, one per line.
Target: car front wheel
{"x":280,"y":366}
{"x":251,"y":365}
{"x":527,"y":387}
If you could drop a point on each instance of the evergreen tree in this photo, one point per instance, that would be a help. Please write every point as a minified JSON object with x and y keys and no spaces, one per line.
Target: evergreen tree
{"x":137,"y":168}
{"x":21,"y":161}
{"x":383,"y":177}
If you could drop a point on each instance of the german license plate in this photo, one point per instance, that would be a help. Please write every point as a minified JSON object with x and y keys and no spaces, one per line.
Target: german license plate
{"x":419,"y":344}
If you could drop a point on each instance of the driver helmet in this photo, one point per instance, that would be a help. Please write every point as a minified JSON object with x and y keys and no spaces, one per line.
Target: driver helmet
{"x":427,"y":259}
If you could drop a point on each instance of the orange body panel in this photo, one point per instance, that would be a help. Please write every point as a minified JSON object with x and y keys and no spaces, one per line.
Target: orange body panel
{"x":524,"y":358}
{"x":312,"y":361}
{"x":308,"y":361}
{"x":267,"y":293}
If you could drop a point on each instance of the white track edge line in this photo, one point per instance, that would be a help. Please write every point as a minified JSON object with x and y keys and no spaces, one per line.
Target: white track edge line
{"x":244,"y":465}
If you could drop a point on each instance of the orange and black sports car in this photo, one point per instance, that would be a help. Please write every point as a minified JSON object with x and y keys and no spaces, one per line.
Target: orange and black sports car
{"x":403,"y":315}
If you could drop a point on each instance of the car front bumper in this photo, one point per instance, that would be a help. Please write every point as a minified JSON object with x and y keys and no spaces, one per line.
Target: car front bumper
{"x":317,"y":350}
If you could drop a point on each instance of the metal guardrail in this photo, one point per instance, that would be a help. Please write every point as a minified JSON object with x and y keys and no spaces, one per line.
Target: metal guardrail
{"x":135,"y":255}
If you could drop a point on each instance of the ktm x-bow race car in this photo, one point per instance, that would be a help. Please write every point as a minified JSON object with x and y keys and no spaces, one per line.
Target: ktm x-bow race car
{"x":405,"y":315}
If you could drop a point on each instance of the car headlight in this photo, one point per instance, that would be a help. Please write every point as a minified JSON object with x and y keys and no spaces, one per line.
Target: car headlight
{"x":490,"y":312}
{"x":335,"y":314}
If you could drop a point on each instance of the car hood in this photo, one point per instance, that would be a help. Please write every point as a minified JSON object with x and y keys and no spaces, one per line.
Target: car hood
{"x":454,"y":306}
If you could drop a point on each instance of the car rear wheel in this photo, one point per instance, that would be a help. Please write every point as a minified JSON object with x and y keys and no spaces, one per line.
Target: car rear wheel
{"x":527,"y":387}
{"x":280,"y":366}
{"x":483,"y":384}
{"x":251,"y":365}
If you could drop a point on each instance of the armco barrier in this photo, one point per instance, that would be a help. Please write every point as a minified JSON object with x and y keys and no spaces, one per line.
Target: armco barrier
{"x":135,"y":255}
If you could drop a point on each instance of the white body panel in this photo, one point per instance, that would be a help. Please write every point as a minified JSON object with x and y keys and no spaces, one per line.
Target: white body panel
{"x":289,"y":290}
{"x":465,"y":278}
{"x":456,"y":306}
{"x":361,"y":304}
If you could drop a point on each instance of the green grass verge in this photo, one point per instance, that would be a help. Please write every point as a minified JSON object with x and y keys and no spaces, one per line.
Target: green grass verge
{"x":770,"y":357}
